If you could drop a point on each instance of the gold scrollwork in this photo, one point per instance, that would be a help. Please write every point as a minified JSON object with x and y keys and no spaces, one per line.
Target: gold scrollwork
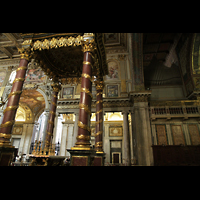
{"x":99,"y":93}
{"x":98,"y":122}
{"x":87,"y":63}
{"x":88,"y":46}
{"x":50,"y":122}
{"x":87,"y":91}
{"x":7,"y":124}
{"x":99,"y":85}
{"x":18,"y":80}
{"x":53,"y":113}
{"x":55,"y":43}
{"x":98,"y":133}
{"x":10,"y":108}
{"x":5,"y":135}
{"x":52,"y":102}
{"x":56,"y":87}
{"x":98,"y":144}
{"x":87,"y":76}
{"x":99,"y":111}
{"x":83,"y":126}
{"x":85,"y":107}
{"x":14,"y":93}
{"x":48,"y":133}
{"x":83,"y":137}
{"x":100,"y":101}
{"x":21,"y":68}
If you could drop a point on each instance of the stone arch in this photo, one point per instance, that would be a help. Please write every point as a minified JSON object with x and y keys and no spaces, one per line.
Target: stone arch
{"x":39,"y":114}
{"x":45,"y":98}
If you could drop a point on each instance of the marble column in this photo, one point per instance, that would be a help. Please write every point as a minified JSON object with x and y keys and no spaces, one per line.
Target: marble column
{"x":126,"y":139}
{"x":63,"y":139}
{"x":46,"y":115}
{"x":14,"y":96}
{"x":75,"y":128}
{"x":99,"y":117}
{"x":83,"y":137}
{"x":50,"y":126}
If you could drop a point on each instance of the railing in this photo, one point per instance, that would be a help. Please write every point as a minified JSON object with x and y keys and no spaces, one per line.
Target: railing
{"x":174,"y":111}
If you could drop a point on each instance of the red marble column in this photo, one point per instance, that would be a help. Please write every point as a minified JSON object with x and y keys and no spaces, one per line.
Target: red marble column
{"x":52,"y":114}
{"x":13,"y":101}
{"x":99,"y":117}
{"x":83,"y":138}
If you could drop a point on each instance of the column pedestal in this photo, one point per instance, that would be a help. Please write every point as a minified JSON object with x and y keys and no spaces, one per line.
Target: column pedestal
{"x":81,"y":157}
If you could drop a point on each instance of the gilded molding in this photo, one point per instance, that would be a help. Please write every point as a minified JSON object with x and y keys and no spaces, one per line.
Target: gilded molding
{"x":85,"y":107}
{"x":83,"y":126}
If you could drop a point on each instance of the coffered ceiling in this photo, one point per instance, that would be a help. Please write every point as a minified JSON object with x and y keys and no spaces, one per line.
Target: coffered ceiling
{"x":158,"y":45}
{"x":8,"y":45}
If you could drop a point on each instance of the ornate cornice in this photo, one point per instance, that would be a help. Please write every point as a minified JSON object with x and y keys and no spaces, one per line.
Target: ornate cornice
{"x":107,"y":103}
{"x":141,"y":96}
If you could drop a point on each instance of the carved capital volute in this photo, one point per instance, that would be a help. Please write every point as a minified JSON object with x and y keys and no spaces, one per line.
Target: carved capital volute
{"x":25,"y":51}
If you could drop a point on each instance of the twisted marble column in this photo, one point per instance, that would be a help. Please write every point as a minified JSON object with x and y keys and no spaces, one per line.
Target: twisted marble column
{"x":14,"y":96}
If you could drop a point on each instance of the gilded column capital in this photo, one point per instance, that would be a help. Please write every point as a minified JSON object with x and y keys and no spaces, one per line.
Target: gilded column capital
{"x":88,"y":43}
{"x":25,"y":51}
{"x":99,"y":85}
{"x":56,"y":87}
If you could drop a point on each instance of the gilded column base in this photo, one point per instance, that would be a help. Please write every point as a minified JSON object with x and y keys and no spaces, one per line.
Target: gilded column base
{"x":81,"y":147}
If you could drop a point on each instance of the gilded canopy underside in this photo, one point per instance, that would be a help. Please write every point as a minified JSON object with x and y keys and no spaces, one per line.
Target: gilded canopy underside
{"x":61,"y":55}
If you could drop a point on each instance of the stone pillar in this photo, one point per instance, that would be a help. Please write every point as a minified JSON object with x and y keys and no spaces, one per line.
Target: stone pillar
{"x":126,"y":139}
{"x":142,"y":128}
{"x":52,"y":113}
{"x":6,"y":149}
{"x":99,"y":117}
